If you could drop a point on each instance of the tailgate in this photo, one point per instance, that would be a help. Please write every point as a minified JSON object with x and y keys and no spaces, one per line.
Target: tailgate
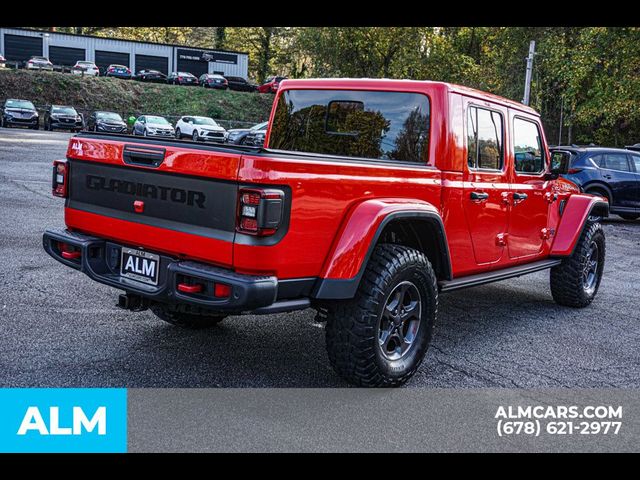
{"x":172,"y":197}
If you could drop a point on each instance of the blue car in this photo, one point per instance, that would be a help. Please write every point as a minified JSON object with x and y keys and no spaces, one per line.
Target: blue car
{"x":613,"y":173}
{"x":118,"y":71}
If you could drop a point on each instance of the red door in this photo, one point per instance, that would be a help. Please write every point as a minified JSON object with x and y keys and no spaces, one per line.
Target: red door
{"x":486,"y":185}
{"x":530,"y":193}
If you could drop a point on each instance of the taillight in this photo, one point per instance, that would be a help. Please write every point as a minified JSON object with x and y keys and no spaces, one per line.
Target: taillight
{"x":574,"y":170}
{"x":60,"y":180}
{"x":179,"y":79}
{"x":259,"y":211}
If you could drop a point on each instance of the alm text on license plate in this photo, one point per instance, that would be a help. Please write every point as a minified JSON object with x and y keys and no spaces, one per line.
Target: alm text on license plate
{"x":139,"y":265}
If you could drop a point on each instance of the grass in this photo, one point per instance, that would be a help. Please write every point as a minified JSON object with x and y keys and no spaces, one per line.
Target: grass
{"x":129,"y":97}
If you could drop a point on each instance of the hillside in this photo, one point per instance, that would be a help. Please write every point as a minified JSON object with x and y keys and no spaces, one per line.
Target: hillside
{"x":131,"y":97}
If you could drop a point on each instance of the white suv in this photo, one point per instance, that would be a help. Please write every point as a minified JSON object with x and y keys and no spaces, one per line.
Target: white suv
{"x":200,"y":128}
{"x":85,"y":68}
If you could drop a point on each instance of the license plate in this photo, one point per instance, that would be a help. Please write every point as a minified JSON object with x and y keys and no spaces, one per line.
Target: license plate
{"x":139,"y":265}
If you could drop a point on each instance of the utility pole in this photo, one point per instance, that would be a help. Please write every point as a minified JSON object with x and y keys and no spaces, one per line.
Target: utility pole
{"x":527,"y":80}
{"x":561,"y":119}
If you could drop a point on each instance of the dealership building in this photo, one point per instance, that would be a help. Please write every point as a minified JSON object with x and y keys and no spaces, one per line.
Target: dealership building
{"x":65,"y":49}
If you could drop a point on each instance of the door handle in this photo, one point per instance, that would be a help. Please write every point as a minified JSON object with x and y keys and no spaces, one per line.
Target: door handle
{"x":518,"y":197}
{"x":608,"y":177}
{"x":479,"y":196}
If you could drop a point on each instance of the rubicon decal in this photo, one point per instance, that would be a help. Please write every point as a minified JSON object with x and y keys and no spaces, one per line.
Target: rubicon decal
{"x":146,"y":190}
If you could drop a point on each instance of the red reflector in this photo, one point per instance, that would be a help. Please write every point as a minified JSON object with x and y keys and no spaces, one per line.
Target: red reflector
{"x":251,"y":198}
{"x":574,"y":170}
{"x":221,"y":290}
{"x":249,"y":224}
{"x":183,"y":287}
{"x":138,"y":206}
{"x":67,"y":252}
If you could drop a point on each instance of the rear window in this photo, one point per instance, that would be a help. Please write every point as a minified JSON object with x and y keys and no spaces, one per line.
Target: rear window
{"x":353,"y":123}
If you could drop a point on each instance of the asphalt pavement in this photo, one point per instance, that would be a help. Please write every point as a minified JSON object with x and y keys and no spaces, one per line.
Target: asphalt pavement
{"x":60,"y":329}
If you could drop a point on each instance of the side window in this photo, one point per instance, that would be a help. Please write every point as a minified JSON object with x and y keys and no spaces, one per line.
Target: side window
{"x":616,"y":161}
{"x":597,"y":159}
{"x":636,"y":161}
{"x":527,"y":145}
{"x":484,"y":139}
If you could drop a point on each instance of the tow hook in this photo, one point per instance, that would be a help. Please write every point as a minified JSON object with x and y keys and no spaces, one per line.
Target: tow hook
{"x":134,"y":303}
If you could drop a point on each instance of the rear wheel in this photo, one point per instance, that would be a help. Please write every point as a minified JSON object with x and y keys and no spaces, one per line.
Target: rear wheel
{"x":185,"y":316}
{"x":379,"y":338}
{"x":630,"y":216}
{"x":575,"y":282}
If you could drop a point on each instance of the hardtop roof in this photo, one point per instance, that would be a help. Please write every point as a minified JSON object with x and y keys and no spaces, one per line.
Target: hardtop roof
{"x":389,"y":83}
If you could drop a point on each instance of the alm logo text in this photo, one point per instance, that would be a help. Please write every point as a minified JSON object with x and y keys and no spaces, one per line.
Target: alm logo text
{"x":33,"y":421}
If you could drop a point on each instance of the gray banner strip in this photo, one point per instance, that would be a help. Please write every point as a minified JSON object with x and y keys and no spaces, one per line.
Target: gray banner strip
{"x":377,"y":420}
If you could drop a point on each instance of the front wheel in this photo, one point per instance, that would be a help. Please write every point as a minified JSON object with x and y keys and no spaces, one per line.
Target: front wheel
{"x":178,"y":134}
{"x":194,"y":136}
{"x":145,"y":134}
{"x":185,"y":316}
{"x":575,"y":282}
{"x":379,"y":338}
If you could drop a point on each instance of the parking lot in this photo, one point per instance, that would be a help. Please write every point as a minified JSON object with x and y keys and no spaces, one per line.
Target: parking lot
{"x":58,"y":328}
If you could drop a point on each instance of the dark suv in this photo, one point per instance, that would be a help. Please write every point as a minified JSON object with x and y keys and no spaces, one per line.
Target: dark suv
{"x":20,"y":113}
{"x":62,"y":117}
{"x":613,"y":173}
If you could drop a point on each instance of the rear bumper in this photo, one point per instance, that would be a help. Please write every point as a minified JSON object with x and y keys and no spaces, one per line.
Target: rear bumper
{"x":100,"y":260}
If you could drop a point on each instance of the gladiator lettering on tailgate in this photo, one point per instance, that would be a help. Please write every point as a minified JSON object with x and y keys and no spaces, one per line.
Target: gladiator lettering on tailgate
{"x":156,"y":192}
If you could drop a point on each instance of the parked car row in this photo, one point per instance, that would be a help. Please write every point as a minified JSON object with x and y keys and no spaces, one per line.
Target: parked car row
{"x":207,"y":80}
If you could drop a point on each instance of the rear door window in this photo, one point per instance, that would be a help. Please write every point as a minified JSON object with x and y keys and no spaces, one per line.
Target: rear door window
{"x":484,"y":139}
{"x":616,"y":161}
{"x":392,"y":126}
{"x":636,"y":162}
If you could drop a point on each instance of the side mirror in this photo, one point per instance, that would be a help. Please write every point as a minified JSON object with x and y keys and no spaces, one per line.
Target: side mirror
{"x":560,"y":161}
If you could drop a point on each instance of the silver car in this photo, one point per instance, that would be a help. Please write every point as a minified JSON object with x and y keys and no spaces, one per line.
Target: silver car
{"x":153,"y":126}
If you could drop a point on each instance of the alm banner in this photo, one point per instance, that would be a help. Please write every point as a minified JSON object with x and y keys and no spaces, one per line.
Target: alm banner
{"x":319,"y":420}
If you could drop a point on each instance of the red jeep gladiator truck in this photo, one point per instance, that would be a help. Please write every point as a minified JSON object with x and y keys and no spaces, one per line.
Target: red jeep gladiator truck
{"x":369,"y":199}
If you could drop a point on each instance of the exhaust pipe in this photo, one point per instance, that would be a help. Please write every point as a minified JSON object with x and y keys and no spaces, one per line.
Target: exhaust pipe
{"x":132,"y":302}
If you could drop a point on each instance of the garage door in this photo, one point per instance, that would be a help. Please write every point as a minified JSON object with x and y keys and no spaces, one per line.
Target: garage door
{"x":152,"y":62}
{"x":193,"y":66}
{"x":104,"y":59}
{"x":65,"y":56}
{"x":19,"y":48}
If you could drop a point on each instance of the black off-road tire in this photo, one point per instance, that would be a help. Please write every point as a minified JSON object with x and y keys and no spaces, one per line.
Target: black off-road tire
{"x":353,"y":325}
{"x":630,"y":216}
{"x":567,"y":279}
{"x":185,"y":316}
